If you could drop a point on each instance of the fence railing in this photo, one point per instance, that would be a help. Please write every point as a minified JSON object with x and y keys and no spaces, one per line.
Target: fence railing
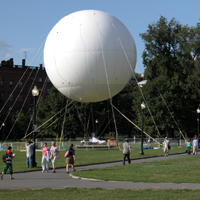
{"x":135,"y":143}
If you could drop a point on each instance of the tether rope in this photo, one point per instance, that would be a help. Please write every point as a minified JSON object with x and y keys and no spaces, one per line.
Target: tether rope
{"x":61,"y":135}
{"x":20,"y":79}
{"x":139,"y":86}
{"x":47,"y":121}
{"x":23,"y":102}
{"x":136,"y":125}
{"x":105,"y":68}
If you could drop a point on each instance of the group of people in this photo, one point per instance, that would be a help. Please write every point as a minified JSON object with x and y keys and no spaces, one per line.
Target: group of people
{"x":53,"y":153}
{"x":47,"y":155}
{"x":194,"y":143}
{"x":189,"y":144}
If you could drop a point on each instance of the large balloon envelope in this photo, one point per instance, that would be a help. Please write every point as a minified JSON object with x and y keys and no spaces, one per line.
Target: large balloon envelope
{"x":89,"y":56}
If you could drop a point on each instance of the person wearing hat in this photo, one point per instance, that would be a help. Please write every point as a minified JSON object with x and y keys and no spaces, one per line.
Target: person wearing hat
{"x":166,"y":146}
{"x":126,"y":151}
{"x":8,"y":162}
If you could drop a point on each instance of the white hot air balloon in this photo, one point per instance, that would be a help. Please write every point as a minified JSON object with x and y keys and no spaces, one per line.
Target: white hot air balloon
{"x":89,"y":56}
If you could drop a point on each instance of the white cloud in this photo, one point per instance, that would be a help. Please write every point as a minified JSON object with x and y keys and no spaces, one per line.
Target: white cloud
{"x":5,"y":50}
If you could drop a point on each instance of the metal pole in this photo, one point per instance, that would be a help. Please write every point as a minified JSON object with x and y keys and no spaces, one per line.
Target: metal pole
{"x":141,"y":152}
{"x":34,"y":130}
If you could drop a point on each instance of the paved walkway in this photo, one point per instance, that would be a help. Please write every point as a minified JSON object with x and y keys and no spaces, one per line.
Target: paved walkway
{"x":59,"y":180}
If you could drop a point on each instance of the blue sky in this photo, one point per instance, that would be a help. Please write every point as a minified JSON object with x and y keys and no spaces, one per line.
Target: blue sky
{"x":25,"y":24}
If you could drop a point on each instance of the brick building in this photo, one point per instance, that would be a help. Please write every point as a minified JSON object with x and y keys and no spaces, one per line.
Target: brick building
{"x":17,"y":82}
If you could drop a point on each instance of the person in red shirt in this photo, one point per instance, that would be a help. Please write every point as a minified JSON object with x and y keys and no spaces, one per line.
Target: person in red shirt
{"x":8,"y":163}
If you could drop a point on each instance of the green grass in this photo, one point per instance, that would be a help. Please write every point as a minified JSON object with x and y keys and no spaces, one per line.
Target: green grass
{"x":86,"y":194}
{"x":175,"y":170}
{"x":84,"y":157}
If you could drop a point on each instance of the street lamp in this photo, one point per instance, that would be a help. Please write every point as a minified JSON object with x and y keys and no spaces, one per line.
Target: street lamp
{"x":96,"y":121}
{"x":3,"y":132}
{"x":198,"y":111}
{"x":35,"y":93}
{"x":143,"y":106}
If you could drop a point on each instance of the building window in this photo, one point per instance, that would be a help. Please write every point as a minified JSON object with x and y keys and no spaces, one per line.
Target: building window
{"x":48,"y":80}
{"x":11,"y":97}
{"x":1,"y":83}
{"x":21,"y":97}
{"x":11,"y":83}
{"x":20,"y":84}
{"x":40,"y":80}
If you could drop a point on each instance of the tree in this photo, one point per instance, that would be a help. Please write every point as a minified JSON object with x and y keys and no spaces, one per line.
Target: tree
{"x":81,"y":117}
{"x":171,"y":60}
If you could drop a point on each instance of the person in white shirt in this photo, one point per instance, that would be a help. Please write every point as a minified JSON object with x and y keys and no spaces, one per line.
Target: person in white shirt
{"x":29,"y":153}
{"x":166,"y":146}
{"x":54,"y":152}
{"x":195,"y":145}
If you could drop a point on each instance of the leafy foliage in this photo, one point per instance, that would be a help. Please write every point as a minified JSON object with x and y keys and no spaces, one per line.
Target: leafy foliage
{"x":171,"y":60}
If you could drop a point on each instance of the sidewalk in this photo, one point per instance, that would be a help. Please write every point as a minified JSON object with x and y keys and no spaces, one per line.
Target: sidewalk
{"x":59,"y":180}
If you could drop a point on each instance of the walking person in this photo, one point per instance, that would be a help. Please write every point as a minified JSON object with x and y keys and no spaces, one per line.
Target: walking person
{"x":126,"y":151}
{"x":70,"y":159}
{"x":54,"y":154}
{"x":8,"y":156}
{"x":45,"y":156}
{"x":29,"y":153}
{"x":188,"y":146}
{"x":195,"y":145}
{"x":166,"y":146}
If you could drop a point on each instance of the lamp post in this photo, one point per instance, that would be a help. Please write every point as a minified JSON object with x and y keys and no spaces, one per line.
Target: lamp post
{"x":96,"y":121}
{"x":3,"y":132}
{"x":143,"y":106}
{"x":198,"y":111}
{"x":35,"y":93}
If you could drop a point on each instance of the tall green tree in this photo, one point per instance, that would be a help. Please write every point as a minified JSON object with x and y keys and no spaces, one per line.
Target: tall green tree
{"x":171,"y":61}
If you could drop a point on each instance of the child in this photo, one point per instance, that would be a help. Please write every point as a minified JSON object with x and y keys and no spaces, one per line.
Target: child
{"x":189,"y":146}
{"x":8,"y":163}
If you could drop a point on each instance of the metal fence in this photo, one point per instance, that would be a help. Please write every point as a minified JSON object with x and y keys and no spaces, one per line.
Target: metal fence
{"x":135,"y":143}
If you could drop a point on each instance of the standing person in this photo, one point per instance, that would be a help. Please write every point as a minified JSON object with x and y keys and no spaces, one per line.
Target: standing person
{"x":149,"y":141}
{"x":29,"y":153}
{"x":189,"y":146}
{"x":126,"y":151}
{"x":45,"y":156}
{"x":8,"y":162}
{"x":55,"y":154}
{"x":166,"y":146}
{"x":70,"y":158}
{"x":195,"y":145}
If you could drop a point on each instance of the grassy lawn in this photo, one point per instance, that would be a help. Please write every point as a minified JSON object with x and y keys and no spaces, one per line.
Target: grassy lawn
{"x":84,"y":156}
{"x":175,"y":170}
{"x":72,"y":193}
